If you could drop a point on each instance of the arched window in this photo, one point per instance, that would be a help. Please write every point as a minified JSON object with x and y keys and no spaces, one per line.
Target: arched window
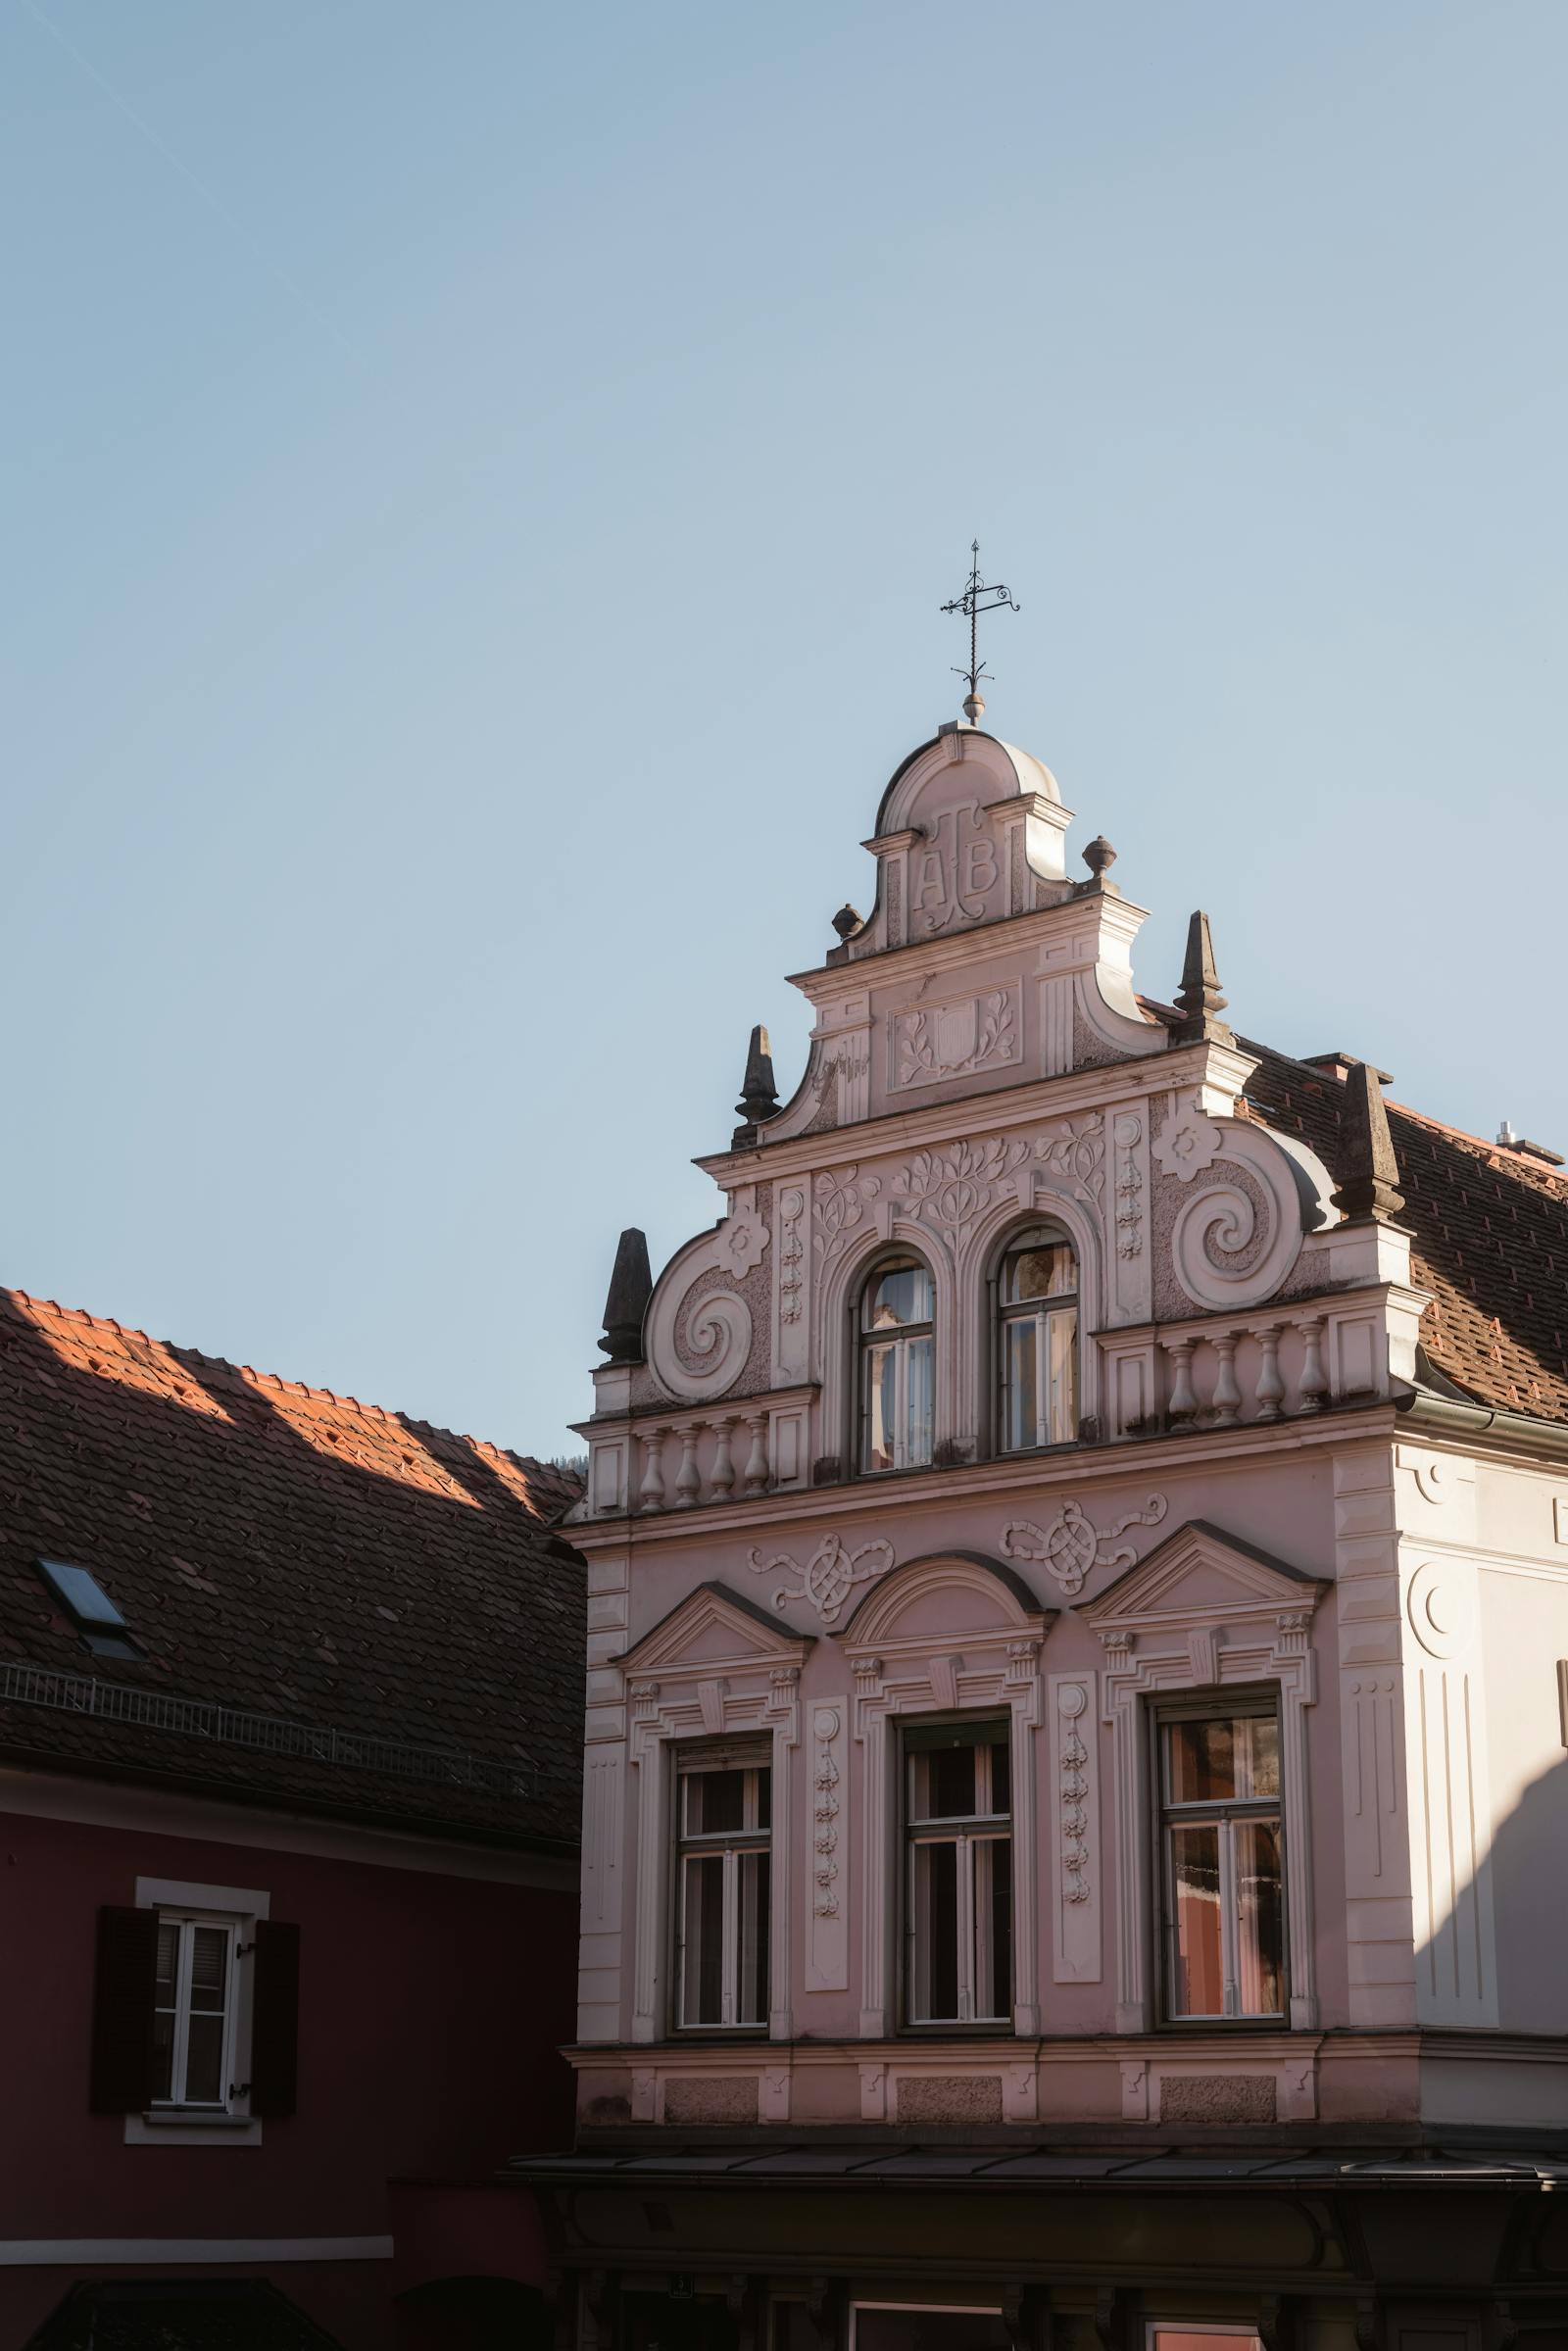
{"x":897,"y":1365}
{"x":1037,"y":1314}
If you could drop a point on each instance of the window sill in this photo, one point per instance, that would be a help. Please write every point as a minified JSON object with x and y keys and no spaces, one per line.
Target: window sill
{"x":191,"y":2126}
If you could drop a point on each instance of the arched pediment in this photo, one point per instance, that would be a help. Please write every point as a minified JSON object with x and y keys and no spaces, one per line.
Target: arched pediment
{"x":947,"y":1595}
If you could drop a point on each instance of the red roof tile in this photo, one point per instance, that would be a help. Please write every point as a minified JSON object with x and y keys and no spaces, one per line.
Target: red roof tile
{"x":301,"y":1556}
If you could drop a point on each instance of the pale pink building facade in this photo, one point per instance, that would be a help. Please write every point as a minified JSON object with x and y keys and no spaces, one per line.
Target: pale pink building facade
{"x":1071,"y":1668}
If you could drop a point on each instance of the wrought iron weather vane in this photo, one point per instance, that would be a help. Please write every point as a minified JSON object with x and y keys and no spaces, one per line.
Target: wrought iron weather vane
{"x":977,"y":598}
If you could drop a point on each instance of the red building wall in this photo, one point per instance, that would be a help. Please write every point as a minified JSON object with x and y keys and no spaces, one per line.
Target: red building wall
{"x":432,"y":2008}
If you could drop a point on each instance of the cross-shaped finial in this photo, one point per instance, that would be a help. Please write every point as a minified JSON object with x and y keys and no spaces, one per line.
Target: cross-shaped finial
{"x":976,"y":599}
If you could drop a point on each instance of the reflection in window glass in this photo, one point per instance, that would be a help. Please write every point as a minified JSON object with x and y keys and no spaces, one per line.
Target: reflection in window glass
{"x":1223,"y":1866}
{"x":1038,"y":1337}
{"x":898,"y":1367}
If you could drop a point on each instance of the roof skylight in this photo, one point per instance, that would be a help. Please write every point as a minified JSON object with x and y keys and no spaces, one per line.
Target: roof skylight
{"x":90,"y":1610}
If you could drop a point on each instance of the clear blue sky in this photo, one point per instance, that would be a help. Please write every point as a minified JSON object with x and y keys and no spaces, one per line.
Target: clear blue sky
{"x":478,"y":483}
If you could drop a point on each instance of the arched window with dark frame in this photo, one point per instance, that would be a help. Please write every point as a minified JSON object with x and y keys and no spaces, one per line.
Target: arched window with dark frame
{"x":1037,"y":1340}
{"x":895,"y":1371}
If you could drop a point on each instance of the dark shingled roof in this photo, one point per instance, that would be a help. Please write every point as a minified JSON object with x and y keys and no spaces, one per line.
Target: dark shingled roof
{"x":1490,"y":1229}
{"x":344,"y":1573}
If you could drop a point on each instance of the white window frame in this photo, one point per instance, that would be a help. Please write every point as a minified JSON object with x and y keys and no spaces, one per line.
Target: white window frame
{"x":237,"y":1909}
{"x":753,"y":1757}
{"x":185,"y":1923}
{"x":966,"y":1832}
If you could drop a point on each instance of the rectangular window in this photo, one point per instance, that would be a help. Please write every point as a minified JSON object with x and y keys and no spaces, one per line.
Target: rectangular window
{"x":958,"y":1832}
{"x":193,"y":2011}
{"x":1224,"y":1910}
{"x":723,"y":1861}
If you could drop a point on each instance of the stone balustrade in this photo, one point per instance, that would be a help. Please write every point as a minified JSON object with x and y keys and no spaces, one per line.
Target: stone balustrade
{"x":702,"y":1457}
{"x":1266,"y":1368}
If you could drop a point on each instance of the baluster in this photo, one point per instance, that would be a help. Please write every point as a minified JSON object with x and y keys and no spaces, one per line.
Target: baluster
{"x":757,"y":1460}
{"x":1270,"y":1384}
{"x":1314,"y":1380}
{"x":1227,"y":1394}
{"x":688,"y":1484}
{"x":721,"y":1476}
{"x":1182,"y":1394}
{"x":650,"y":1492}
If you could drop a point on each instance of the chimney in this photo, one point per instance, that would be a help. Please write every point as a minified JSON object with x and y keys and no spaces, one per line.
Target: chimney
{"x":1370,"y":1183}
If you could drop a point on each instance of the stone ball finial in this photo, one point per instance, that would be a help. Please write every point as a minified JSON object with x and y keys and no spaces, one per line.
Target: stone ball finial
{"x":847,"y":921}
{"x":1098,"y":855}
{"x":974,"y":709}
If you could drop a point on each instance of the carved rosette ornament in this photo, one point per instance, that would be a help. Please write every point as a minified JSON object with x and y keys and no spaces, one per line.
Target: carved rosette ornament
{"x":1070,"y":1547}
{"x":742,"y":1239}
{"x":1187,"y":1142}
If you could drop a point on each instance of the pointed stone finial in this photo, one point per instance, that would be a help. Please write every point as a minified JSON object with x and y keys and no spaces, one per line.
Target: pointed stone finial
{"x":632,"y":1286}
{"x":1369,"y":1185}
{"x":759,"y":1093}
{"x":1199,"y":999}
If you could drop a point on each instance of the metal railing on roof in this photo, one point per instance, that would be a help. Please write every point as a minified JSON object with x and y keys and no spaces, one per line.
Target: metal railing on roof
{"x":263,"y":1733}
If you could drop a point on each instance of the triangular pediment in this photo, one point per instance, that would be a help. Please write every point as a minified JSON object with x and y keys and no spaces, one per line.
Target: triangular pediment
{"x":711,"y":1631}
{"x":1200,"y":1575}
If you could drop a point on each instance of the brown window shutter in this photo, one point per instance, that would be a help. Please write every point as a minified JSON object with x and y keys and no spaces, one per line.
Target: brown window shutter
{"x":274,"y":2017}
{"x":125,"y":1983}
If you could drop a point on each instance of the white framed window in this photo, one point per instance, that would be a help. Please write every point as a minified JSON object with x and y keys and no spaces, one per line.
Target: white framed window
{"x":958,"y":1873}
{"x":896,"y":1366}
{"x":723,"y":1891}
{"x":194,"y":2011}
{"x":1222,"y":1864}
{"x":202,"y":2010}
{"x":1037,"y":1335}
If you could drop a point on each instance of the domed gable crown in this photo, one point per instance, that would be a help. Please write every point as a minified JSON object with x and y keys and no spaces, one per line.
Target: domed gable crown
{"x":969,"y":831}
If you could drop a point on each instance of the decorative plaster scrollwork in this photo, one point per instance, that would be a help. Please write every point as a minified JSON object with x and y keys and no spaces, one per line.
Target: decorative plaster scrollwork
{"x":742,"y":1239}
{"x":932,"y":1042}
{"x":1236,"y":1239}
{"x":839,"y":1201}
{"x":829,"y":1574}
{"x":791,"y":1255}
{"x":1075,"y":1148}
{"x":1128,"y":1132}
{"x":1187,"y":1142}
{"x":1073,"y":1785}
{"x":1070,"y":1545}
{"x":825,"y":1818}
{"x":951,"y":1186}
{"x":719,"y":1336}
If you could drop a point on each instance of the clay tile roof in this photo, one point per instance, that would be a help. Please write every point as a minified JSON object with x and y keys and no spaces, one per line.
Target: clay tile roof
{"x":383,"y":1610}
{"x":1490,"y":1229}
